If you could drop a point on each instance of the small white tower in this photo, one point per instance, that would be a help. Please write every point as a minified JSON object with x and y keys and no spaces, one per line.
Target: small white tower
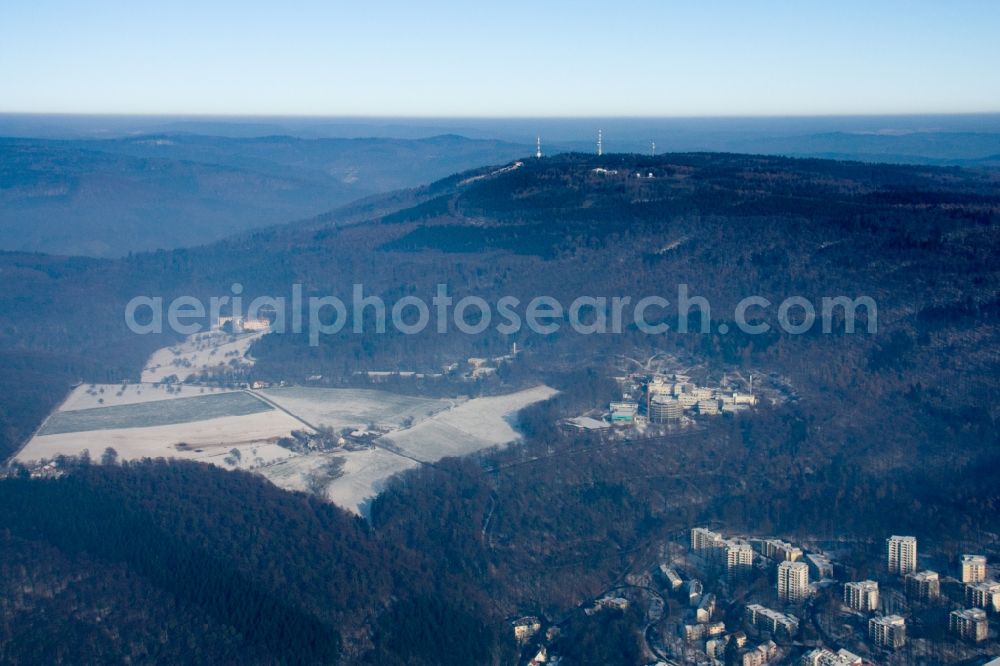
{"x":600,"y":143}
{"x":538,"y":148}
{"x":652,"y":148}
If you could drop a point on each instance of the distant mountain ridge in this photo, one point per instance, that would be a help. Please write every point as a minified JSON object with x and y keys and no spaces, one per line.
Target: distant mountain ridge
{"x":110,"y":197}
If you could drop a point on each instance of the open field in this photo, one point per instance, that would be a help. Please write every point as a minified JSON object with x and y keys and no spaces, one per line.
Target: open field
{"x":92,"y":396}
{"x":477,"y":424}
{"x":155,"y":413}
{"x":355,"y":408}
{"x":208,"y":440}
{"x":199,"y":352}
{"x":361,"y":477}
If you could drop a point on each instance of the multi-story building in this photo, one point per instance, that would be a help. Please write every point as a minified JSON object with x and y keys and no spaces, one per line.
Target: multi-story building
{"x":671,"y":577}
{"x":861,"y":595}
{"x":739,"y":557}
{"x":704,"y":539}
{"x":760,"y":655}
{"x":923,"y":585}
{"x":970,"y":624}
{"x":824,"y":657}
{"x":705,"y":608}
{"x":973,"y":568}
{"x":820,"y":566}
{"x":793,"y":581}
{"x":664,"y":408}
{"x":887,"y":632}
{"x":776,"y":549}
{"x":984,"y":595}
{"x":766,"y":619}
{"x":901,"y":554}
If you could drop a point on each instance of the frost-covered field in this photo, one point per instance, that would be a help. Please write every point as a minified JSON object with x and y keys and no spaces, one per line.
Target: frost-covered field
{"x":199,"y":352}
{"x":156,"y":413}
{"x":208,"y":441}
{"x":477,"y":424}
{"x":362,"y":476}
{"x":355,"y":408}
{"x":91,"y":396}
{"x":207,"y":425}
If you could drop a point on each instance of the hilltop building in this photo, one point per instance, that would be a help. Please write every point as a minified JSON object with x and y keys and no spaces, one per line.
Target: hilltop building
{"x":861,"y":596}
{"x":793,"y":581}
{"x":970,"y":624}
{"x":887,"y":632}
{"x":901,"y":554}
{"x":973,"y":568}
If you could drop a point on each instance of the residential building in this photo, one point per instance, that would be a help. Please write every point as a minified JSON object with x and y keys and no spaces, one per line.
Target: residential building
{"x":705,"y":539}
{"x":984,"y":595}
{"x":861,"y":595}
{"x":824,"y":657}
{"x":819,"y":565}
{"x":705,"y":608}
{"x":760,"y":655}
{"x":970,"y":624}
{"x":973,"y":568}
{"x":901,"y":554}
{"x":793,"y":581}
{"x":776,"y":549}
{"x":673,"y":579}
{"x":887,"y":632}
{"x":923,"y":585}
{"x":739,"y":557}
{"x":766,"y":619}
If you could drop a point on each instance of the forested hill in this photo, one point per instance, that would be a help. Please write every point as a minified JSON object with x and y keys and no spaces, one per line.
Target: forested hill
{"x":903,"y":418}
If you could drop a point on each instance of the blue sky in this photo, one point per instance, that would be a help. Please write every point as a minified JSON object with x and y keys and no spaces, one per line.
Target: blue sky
{"x":512,"y":58}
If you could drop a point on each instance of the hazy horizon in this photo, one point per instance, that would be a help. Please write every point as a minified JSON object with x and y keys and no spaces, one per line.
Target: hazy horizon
{"x":583,"y":60}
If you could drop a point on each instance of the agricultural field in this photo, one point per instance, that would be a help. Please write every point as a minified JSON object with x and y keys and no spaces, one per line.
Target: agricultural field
{"x":474,"y":425}
{"x":154,"y":413}
{"x":355,"y":408}
{"x":92,"y":396}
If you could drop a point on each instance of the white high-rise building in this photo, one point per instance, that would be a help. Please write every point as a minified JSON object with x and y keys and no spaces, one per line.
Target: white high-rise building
{"x":793,"y":581}
{"x":973,"y":568}
{"x":739,"y":557}
{"x":861,"y":595}
{"x":704,"y":539}
{"x":887,"y":632}
{"x":901,"y":554}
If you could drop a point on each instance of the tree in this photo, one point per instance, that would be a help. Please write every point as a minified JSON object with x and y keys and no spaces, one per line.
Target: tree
{"x":109,"y":457}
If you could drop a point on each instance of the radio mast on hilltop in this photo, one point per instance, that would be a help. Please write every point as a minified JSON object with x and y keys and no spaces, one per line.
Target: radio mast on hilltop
{"x":538,"y":148}
{"x":600,"y":143}
{"x":652,"y":148}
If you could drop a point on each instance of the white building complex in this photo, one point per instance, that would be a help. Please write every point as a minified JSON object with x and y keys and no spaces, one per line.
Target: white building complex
{"x":901,"y":554}
{"x":973,"y":568}
{"x":861,"y":596}
{"x":793,"y":581}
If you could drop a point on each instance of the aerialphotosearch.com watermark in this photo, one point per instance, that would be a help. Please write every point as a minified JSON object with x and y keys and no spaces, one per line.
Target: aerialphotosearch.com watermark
{"x":411,"y":315}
